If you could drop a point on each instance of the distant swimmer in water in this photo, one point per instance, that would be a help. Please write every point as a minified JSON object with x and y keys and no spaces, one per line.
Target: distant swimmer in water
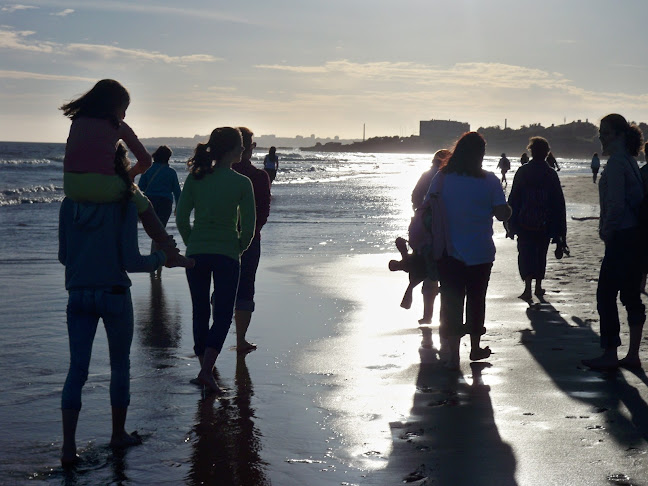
{"x":271,"y":163}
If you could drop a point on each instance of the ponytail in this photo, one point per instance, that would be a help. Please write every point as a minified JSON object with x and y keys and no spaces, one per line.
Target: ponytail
{"x":122,"y":164}
{"x":632,"y":134}
{"x":201,"y":163}
{"x":207,"y":155}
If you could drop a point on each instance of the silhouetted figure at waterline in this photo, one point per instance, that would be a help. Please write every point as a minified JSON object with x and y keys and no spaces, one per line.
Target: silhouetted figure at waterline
{"x":504,"y":165}
{"x":539,"y":214}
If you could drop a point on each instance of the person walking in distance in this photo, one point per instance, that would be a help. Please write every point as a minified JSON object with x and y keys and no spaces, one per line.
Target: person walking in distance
{"x":250,"y":258}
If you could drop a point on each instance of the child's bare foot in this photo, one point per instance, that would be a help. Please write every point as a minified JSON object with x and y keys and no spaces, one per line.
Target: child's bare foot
{"x":425,"y":320}
{"x":125,"y":439}
{"x":175,"y":259}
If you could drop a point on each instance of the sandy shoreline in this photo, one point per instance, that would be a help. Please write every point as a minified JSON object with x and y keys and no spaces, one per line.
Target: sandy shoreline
{"x":339,"y":391}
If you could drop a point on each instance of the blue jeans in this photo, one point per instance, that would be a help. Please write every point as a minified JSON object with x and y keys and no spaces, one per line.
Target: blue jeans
{"x":249,"y":264}
{"x":224,"y":271}
{"x":85,"y":307}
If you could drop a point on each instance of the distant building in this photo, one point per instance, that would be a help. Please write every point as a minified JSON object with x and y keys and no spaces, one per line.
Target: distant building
{"x":442,"y":130}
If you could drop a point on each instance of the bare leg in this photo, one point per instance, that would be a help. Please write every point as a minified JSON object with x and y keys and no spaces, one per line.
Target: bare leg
{"x":154,"y":228}
{"x":121,"y":438}
{"x":242,"y":319}
{"x":539,"y":291}
{"x":70,"y":420}
{"x":632,"y":359}
{"x":206,"y":376}
{"x":429,"y":295}
{"x":453,"y":353}
{"x":526,"y":295}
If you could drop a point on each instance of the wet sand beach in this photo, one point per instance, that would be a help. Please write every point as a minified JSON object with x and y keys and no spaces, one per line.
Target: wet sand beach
{"x":340,"y":390}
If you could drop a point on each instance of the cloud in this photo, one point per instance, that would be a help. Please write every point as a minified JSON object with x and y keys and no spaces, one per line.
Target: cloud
{"x":40,"y":76}
{"x":19,"y":41}
{"x":15,"y":8}
{"x":63,"y":13}
{"x":112,"y":52}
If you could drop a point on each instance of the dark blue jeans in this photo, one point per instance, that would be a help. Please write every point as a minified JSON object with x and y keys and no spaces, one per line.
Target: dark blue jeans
{"x":459,"y":283}
{"x":249,"y":264}
{"x":224,"y":272}
{"x":85,"y":308}
{"x":162,"y":207}
{"x":620,"y":274}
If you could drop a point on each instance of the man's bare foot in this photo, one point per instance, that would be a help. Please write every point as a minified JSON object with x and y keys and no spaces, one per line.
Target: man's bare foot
{"x":207,"y":380}
{"x":125,"y":439}
{"x":480,"y":353}
{"x":630,"y":363}
{"x":425,"y":320}
{"x":602,"y":363}
{"x":245,"y":347}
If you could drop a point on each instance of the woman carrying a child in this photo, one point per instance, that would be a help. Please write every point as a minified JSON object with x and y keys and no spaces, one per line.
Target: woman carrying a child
{"x":224,"y":219}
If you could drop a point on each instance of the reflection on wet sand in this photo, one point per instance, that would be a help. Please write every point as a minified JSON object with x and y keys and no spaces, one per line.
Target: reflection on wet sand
{"x":159,"y":326}
{"x":227,"y":445}
{"x":451,"y":436}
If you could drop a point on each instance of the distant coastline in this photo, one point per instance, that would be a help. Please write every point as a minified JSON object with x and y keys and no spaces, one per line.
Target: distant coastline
{"x":572,"y":140}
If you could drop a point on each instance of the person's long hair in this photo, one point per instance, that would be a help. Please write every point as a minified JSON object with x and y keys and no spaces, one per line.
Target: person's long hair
{"x":102,"y":101}
{"x":122,"y":165}
{"x":632,"y":134}
{"x":208,"y":155}
{"x":467,"y":156}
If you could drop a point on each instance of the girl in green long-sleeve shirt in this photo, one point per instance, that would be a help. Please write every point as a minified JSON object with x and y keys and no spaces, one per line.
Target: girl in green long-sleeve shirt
{"x":224,"y":219}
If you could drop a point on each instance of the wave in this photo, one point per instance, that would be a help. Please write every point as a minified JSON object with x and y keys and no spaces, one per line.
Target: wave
{"x":28,"y":162}
{"x":31,"y":195}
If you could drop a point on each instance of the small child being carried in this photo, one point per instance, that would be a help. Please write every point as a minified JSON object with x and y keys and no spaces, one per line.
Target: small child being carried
{"x":89,"y":165}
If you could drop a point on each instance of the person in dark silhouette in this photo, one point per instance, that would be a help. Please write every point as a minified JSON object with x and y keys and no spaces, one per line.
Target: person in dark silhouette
{"x":250,"y":258}
{"x":504,"y":165}
{"x":538,"y":206}
{"x":431,"y":282}
{"x":620,"y":194}
{"x":271,"y":163}
{"x":471,"y":197}
{"x":552,"y":162}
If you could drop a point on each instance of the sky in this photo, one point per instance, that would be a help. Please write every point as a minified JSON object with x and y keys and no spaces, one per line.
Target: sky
{"x":323,"y":67}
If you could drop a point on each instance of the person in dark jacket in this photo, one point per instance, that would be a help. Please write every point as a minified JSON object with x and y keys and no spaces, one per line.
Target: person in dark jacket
{"x":538,"y":216}
{"x":250,"y":258}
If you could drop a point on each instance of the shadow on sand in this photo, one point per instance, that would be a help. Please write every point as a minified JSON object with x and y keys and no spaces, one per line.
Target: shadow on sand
{"x":451,"y":436}
{"x":558,"y":346}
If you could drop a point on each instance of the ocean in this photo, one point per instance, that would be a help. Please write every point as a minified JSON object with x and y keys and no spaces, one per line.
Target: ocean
{"x":324,"y":206}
